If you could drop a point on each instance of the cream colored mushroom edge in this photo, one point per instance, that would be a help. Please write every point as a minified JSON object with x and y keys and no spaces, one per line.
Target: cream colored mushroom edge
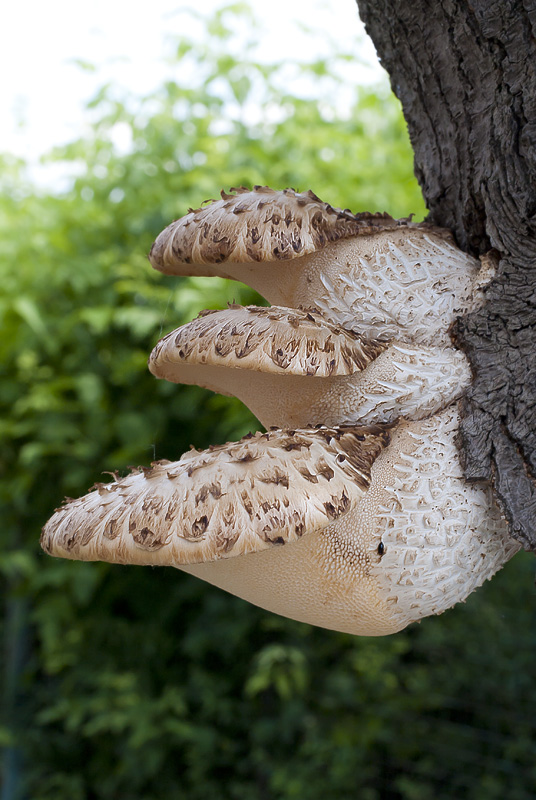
{"x":351,"y":512}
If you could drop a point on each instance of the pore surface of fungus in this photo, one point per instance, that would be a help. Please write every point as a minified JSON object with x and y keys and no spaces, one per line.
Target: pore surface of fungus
{"x":352,"y":513}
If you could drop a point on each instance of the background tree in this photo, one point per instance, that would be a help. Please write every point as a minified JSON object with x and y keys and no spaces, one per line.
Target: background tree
{"x":147,"y":684}
{"x":466,"y":76}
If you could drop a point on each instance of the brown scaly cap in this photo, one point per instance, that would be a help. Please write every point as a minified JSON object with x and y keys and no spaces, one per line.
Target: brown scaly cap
{"x":257,"y":225}
{"x":275,"y":340}
{"x":226,"y":501}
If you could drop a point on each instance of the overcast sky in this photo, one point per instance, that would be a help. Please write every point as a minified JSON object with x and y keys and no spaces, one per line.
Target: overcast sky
{"x":42,"y":92}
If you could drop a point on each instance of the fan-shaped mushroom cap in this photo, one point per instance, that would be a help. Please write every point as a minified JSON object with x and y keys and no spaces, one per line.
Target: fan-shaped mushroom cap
{"x":284,"y":341}
{"x":367,"y":272}
{"x":226,"y":501}
{"x":295,"y":368}
{"x":366,"y":555}
{"x":380,"y":528}
{"x":255,"y":226}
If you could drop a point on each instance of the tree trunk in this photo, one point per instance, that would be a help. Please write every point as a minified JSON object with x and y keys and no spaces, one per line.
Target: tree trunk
{"x":465,"y":73}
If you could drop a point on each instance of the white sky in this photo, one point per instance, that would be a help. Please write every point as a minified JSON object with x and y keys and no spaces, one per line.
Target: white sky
{"x":43,"y":91}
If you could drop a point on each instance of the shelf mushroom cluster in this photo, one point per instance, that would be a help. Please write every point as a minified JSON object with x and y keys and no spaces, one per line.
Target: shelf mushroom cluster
{"x":353,"y":373}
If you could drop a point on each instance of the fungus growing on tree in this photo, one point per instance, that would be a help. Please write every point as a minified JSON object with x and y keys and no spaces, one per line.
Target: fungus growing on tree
{"x":352,"y":513}
{"x":293,"y":367}
{"x":367,"y":272}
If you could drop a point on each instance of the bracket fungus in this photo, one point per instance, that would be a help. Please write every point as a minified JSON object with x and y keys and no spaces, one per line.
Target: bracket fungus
{"x":352,"y":511}
{"x":294,"y":367}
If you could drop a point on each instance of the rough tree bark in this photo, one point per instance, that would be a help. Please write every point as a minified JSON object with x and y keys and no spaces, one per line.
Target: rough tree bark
{"x":465,"y":72}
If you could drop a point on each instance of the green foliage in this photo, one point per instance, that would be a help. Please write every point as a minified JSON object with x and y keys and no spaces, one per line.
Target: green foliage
{"x":144,"y":683}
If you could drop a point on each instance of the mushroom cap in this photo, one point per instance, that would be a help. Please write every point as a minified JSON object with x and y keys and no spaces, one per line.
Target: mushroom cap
{"x":238,"y":498}
{"x":383,"y":277}
{"x":374,"y":536}
{"x":294,"y":368}
{"x":255,"y":225}
{"x":276,"y":340}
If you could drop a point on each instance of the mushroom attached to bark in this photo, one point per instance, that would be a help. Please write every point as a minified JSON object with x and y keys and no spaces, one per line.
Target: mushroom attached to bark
{"x":368,"y":272}
{"x":376,"y":534}
{"x":378,"y":525}
{"x":293,"y":367}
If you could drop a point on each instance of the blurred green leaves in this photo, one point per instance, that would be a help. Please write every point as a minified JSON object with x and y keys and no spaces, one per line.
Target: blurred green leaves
{"x":278,"y":668}
{"x":144,"y":683}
